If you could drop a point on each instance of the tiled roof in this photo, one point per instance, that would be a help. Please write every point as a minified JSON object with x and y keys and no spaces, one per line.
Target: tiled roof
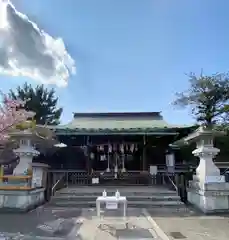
{"x":113,"y":130}
{"x":116,"y":127}
{"x":115,"y":124}
{"x":85,"y":123}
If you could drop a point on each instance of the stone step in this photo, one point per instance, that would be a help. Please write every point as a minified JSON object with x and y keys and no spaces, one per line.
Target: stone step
{"x":114,"y":188}
{"x":140,"y":197}
{"x":88,"y":198}
{"x":138,"y":204}
{"x":112,"y":192}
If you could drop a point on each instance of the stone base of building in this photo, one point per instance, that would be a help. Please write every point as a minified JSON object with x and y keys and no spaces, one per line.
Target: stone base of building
{"x":21,"y":200}
{"x":209,"y":197}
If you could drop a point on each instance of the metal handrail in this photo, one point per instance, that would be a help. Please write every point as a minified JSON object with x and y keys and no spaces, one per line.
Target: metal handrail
{"x":172,"y":182}
{"x":223,"y":174}
{"x":225,"y":171}
{"x":55,"y":185}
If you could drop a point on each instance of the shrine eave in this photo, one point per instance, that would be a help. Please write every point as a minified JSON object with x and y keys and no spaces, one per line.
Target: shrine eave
{"x":114,"y":131}
{"x":185,"y":140}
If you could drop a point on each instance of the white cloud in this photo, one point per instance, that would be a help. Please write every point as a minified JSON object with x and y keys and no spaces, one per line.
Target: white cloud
{"x":26,"y":50}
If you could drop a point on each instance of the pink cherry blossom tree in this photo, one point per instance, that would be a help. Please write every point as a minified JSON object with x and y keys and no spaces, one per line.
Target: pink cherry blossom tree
{"x":11,"y":114}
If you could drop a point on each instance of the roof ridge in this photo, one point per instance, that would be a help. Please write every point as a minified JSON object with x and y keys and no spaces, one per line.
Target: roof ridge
{"x":117,"y":114}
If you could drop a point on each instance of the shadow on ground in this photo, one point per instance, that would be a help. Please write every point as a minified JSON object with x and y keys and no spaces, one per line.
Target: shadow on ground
{"x":45,"y":223}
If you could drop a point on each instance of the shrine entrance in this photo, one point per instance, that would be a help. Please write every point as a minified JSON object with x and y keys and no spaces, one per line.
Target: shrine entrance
{"x":116,"y":158}
{"x":116,"y":163}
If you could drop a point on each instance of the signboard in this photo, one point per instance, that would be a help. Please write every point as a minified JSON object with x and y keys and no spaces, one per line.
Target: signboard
{"x":95,"y":180}
{"x":170,"y":163}
{"x":153,"y":170}
{"x":111,"y":205}
{"x":170,"y":160}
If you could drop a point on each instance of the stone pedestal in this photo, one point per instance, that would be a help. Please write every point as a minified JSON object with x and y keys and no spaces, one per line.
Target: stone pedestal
{"x":208,"y":191}
{"x":21,"y":200}
{"x":210,"y":197}
{"x":39,"y":178}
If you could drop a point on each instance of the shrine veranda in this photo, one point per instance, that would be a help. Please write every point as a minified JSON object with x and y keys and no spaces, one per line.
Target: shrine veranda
{"x":115,"y":143}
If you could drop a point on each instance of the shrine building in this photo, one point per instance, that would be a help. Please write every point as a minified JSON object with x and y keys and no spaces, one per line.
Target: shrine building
{"x":115,"y":142}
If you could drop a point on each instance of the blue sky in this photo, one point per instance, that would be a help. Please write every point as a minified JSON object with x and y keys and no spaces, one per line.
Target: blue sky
{"x":132,"y":55}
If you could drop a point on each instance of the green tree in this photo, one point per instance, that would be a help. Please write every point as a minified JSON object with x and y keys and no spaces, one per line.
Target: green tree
{"x":208,"y":97}
{"x":40,"y":100}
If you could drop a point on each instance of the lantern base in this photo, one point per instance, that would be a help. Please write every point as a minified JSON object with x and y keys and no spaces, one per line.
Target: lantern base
{"x":21,"y":200}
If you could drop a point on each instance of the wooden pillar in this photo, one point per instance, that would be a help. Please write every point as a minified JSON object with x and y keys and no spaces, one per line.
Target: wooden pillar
{"x":1,"y":172}
{"x":88,"y":155}
{"x":144,"y":154}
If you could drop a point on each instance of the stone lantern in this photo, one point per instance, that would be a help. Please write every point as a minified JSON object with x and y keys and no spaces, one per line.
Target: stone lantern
{"x":25,"y":189}
{"x":25,"y":151}
{"x":208,"y":190}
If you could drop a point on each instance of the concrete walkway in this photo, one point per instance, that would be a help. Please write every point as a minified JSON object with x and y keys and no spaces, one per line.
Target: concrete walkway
{"x":186,"y":224}
{"x":112,"y":226}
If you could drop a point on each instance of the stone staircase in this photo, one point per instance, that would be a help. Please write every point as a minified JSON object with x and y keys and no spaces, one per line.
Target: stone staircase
{"x":137,"y":196}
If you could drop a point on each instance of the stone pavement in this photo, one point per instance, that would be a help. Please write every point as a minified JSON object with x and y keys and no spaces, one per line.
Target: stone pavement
{"x":39,"y":224}
{"x":187,"y":224}
{"x":81,"y":224}
{"x":112,"y":226}
{"x":140,"y":224}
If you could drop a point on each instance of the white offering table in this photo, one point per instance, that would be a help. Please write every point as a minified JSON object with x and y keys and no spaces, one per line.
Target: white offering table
{"x":111,"y":203}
